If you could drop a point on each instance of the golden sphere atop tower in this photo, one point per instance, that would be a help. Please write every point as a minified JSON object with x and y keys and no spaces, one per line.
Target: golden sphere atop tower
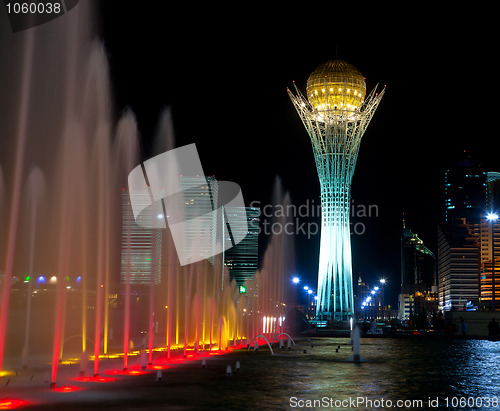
{"x":336,"y":86}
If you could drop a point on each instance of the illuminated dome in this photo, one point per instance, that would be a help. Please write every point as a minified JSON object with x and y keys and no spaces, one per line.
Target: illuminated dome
{"x":336,"y":85}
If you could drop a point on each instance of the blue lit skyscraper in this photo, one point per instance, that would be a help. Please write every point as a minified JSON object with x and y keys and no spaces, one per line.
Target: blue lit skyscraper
{"x":335,"y":115}
{"x":465,"y":191}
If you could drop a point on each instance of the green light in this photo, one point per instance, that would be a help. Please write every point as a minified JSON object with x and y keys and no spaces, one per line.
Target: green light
{"x":242,"y":289}
{"x":27,"y":279}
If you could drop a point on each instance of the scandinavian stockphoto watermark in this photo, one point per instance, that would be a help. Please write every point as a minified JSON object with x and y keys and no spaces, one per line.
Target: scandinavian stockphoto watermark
{"x":305,"y":219}
{"x":171,"y":189}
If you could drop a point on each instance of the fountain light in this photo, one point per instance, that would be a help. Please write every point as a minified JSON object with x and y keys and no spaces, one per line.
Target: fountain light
{"x":94,"y":378}
{"x":12,"y":403}
{"x":67,"y":388}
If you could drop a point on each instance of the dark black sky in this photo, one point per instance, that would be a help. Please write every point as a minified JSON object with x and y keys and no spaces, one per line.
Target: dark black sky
{"x":225,"y":71}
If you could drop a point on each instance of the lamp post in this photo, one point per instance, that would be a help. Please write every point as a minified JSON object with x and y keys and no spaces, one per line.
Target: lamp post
{"x":492,"y":217}
{"x":295,"y":281}
{"x":382,"y":281}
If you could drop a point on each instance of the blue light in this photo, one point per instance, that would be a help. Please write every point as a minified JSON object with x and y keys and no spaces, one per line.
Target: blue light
{"x":79,"y":279}
{"x":41,"y":279}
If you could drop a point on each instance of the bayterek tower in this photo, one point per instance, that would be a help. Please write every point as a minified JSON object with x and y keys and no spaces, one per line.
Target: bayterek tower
{"x":335,"y":114}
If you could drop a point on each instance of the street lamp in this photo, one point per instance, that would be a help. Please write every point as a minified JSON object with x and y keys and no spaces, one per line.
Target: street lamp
{"x":295,"y":281}
{"x":383,"y":281}
{"x":492,"y":217}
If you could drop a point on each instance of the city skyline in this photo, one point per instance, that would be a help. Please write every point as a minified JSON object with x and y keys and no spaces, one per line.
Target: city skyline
{"x":126,"y":262}
{"x":243,"y":71}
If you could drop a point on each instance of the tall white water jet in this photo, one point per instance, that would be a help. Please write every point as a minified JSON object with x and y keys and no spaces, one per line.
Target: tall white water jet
{"x":21,"y":136}
{"x":268,"y":310}
{"x":35,"y":194}
{"x":126,"y":149}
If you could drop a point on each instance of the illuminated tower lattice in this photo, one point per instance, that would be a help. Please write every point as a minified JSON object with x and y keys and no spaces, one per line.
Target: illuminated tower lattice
{"x":335,"y":115}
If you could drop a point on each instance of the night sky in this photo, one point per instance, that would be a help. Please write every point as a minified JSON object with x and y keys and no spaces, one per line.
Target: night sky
{"x":225,"y":71}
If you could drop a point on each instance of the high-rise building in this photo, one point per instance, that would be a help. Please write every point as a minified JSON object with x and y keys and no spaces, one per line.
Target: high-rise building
{"x":335,"y":115}
{"x":488,"y":234}
{"x":141,"y":247}
{"x":465,"y":191}
{"x":458,"y":264}
{"x":200,"y":200}
{"x":418,"y":277}
{"x":469,"y":194}
{"x":493,"y":190}
{"x":418,"y":263}
{"x":242,"y":258}
{"x":490,"y":244}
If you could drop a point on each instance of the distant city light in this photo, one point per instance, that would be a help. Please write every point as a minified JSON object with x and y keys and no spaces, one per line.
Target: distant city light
{"x":382,"y":280}
{"x":376,"y":288}
{"x":296,"y":280}
{"x":306,"y":287}
{"x":309,"y":291}
{"x":41,"y":279}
